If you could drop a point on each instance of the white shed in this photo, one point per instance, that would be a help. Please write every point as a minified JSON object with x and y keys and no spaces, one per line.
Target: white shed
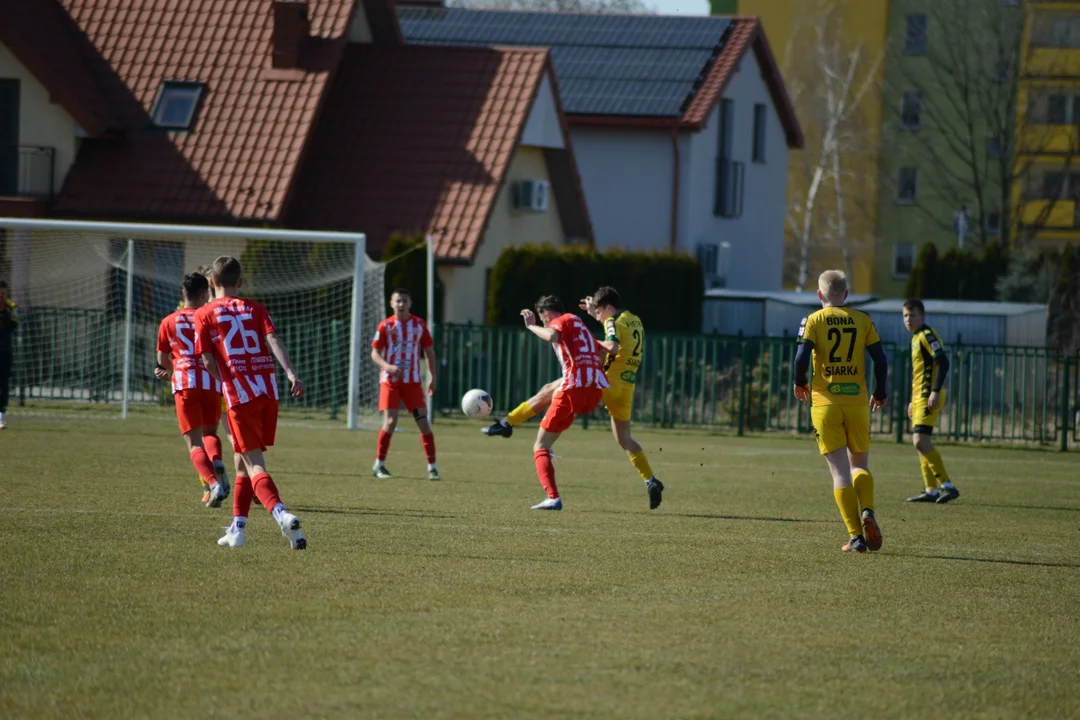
{"x":754,"y":313}
{"x":966,"y":322}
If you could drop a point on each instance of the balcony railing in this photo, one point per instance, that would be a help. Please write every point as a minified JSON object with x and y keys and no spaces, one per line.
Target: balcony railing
{"x":27,"y":171}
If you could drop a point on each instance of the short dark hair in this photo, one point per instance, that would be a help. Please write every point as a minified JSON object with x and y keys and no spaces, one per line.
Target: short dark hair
{"x":549,"y":303}
{"x":194,"y":285}
{"x":915,"y":304}
{"x":607,"y":295}
{"x":401,"y":291}
{"x":226,"y":271}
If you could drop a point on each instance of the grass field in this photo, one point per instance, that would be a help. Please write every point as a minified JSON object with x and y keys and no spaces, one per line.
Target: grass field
{"x":452,"y":599}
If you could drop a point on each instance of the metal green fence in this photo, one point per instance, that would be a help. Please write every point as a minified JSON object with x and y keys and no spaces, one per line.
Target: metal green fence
{"x":737,"y":384}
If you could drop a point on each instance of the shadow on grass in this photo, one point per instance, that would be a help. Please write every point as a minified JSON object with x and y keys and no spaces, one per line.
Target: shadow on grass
{"x":718,"y":516}
{"x":373,"y":511}
{"x":460,"y":556}
{"x":1009,"y":506}
{"x":996,"y":561}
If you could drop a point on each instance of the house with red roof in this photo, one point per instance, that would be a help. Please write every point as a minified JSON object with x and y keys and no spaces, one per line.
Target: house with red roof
{"x":307,"y":114}
{"x":680,"y":125}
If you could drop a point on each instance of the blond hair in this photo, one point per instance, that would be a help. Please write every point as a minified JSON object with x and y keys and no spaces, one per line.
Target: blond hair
{"x":833,"y":284}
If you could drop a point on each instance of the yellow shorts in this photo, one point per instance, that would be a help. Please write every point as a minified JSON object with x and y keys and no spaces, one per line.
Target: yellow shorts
{"x":838,"y":426}
{"x":926,"y":418}
{"x":619,"y":399}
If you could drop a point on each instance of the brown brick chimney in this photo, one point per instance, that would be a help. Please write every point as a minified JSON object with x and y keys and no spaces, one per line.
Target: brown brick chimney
{"x":290,"y":34}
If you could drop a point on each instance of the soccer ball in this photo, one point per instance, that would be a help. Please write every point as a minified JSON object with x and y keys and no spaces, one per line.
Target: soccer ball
{"x":476,"y":404}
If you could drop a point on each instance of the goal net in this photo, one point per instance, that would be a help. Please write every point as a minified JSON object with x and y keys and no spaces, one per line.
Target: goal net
{"x":92,"y":295}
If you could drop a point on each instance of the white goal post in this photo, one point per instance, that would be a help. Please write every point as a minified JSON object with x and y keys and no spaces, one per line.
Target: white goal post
{"x":92,"y":293}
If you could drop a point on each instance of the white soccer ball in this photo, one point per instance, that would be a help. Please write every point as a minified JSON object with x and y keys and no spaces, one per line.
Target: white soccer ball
{"x":476,"y":404}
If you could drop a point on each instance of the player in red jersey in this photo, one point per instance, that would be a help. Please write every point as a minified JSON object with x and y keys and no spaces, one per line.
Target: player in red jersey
{"x":197,"y":395}
{"x":238,"y":343}
{"x":583,"y":384}
{"x":396,"y":348}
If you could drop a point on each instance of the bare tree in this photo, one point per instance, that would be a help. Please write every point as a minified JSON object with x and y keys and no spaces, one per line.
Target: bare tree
{"x":956,"y":82}
{"x":592,"y":6}
{"x":829,"y":77}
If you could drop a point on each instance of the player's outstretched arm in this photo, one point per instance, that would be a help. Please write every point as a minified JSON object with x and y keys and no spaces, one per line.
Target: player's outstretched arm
{"x":282,"y":355}
{"x":546,"y":334}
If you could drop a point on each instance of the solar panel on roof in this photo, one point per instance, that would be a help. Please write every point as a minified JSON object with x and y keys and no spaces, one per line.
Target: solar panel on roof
{"x":605,"y":64}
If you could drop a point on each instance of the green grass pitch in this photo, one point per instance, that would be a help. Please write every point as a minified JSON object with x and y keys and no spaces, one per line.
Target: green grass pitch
{"x":451,"y":599}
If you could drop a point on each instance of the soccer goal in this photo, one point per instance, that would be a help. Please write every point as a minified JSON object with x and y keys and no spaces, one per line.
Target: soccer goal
{"x":91,"y":296}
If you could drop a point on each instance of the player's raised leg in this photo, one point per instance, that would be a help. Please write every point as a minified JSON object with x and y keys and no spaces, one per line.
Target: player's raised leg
{"x":526,"y":410}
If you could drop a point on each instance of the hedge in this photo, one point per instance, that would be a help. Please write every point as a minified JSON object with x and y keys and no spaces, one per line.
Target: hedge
{"x":664,"y":289}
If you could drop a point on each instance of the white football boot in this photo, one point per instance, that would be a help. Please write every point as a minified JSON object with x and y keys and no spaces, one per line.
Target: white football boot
{"x":290,"y":528}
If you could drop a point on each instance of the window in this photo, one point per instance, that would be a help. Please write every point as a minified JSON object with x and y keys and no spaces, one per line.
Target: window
{"x":729,"y":174}
{"x":915,"y":38}
{"x":759,"y":133}
{"x":993,"y":223}
{"x":1052,"y":107}
{"x":1057,"y":110}
{"x":993,"y":148}
{"x":911,"y":110}
{"x":907,"y":185}
{"x":903,"y":259}
{"x":1058,"y":30}
{"x":176,"y":103}
{"x":727,"y":123}
{"x":1053,"y":183}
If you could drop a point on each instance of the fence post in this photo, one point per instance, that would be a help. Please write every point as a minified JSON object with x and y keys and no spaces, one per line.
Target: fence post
{"x":1065,"y":409}
{"x":742,"y":387}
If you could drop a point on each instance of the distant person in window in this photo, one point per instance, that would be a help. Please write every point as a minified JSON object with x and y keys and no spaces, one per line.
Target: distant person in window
{"x":9,"y":323}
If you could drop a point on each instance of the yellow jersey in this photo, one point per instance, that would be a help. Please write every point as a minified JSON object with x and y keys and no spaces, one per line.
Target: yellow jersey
{"x":839,"y":337}
{"x":926,"y":345}
{"x":626,"y":329}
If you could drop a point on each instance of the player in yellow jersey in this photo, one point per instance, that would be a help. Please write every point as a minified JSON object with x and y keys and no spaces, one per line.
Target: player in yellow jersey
{"x":928,"y":368}
{"x":836,"y":340}
{"x":624,"y":343}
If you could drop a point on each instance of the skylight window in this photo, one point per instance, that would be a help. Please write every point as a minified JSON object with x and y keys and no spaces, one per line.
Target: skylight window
{"x":176,"y":104}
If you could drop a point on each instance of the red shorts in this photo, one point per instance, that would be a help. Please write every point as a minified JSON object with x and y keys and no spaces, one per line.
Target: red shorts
{"x":568,"y":403}
{"x":197,"y":409}
{"x":253,"y":424}
{"x":391,"y":395}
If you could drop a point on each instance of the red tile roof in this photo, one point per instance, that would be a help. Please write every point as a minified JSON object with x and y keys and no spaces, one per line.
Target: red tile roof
{"x":251,"y":127}
{"x":418,"y":139}
{"x":746,"y":33}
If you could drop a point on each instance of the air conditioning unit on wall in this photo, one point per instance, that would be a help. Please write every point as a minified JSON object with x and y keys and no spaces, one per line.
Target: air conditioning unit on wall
{"x":530,"y":195}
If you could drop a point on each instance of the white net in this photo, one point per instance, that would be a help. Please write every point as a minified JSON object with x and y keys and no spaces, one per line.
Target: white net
{"x":71,"y":286}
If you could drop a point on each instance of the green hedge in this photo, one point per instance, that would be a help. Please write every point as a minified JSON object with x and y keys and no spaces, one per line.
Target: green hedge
{"x":664,"y":289}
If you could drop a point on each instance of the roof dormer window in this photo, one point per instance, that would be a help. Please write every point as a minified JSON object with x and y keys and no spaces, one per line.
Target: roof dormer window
{"x":176,"y":103}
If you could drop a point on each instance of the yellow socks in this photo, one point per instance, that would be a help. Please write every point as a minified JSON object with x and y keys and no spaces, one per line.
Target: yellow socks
{"x":863,"y":482}
{"x":641,"y":464}
{"x":848,"y":502}
{"x":520,"y":414}
{"x":937,"y":467}
{"x":929,"y":481}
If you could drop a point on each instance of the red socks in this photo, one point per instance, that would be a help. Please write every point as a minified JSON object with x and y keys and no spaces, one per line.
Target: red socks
{"x":545,"y":470}
{"x":384,"y":445}
{"x":212,"y":444}
{"x":429,"y":447}
{"x":242,"y":493}
{"x":203,"y":466}
{"x":266,"y":491}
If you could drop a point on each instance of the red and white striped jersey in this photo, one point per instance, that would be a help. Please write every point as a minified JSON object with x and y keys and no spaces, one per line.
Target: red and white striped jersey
{"x":176,"y":336}
{"x":403,"y":343}
{"x":234,"y":331}
{"x":577,"y":353}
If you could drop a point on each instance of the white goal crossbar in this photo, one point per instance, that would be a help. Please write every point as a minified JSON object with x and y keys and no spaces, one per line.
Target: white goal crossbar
{"x":129,"y":231}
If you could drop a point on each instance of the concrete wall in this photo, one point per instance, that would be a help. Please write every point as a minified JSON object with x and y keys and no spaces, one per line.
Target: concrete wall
{"x":757,"y":236}
{"x":466,"y":286}
{"x":41,"y":122}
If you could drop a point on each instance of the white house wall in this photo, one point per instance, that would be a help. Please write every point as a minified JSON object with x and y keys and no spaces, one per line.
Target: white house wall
{"x":626,"y":176}
{"x":757,"y":237}
{"x":543,"y":129}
